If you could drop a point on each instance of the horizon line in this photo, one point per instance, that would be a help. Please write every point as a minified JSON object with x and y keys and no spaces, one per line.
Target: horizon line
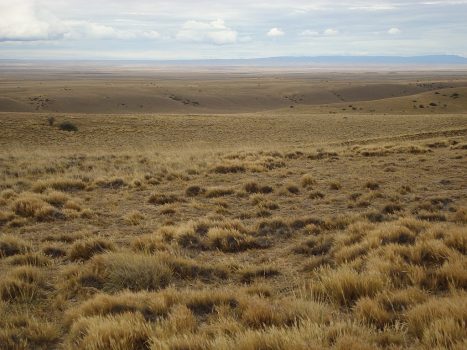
{"x":237,"y":58}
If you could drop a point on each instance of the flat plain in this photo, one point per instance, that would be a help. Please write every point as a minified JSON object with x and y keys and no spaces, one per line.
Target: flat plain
{"x":162,"y":208}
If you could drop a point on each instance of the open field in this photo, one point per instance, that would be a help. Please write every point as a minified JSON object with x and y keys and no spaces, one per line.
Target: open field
{"x":238,"y":222}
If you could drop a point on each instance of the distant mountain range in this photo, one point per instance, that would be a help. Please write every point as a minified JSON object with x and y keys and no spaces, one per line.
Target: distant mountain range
{"x":328,"y":60}
{"x":275,"y":61}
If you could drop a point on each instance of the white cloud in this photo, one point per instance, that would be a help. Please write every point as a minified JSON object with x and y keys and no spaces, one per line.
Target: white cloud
{"x":275,"y":32}
{"x":394,"y":31}
{"x":23,"y":21}
{"x":446,"y":2}
{"x":309,"y":32}
{"x":374,"y":7}
{"x":89,"y":30}
{"x":126,"y":27}
{"x":26,"y":21}
{"x":216,"y":32}
{"x":331,"y":31}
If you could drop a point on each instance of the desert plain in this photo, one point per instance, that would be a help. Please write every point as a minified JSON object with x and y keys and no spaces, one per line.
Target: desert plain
{"x":152,"y":207}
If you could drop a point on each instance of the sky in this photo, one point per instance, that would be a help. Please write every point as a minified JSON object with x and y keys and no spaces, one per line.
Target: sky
{"x":201,"y":29}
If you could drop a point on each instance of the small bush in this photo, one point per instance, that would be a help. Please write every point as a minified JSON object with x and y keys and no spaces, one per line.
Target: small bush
{"x":293,"y":189}
{"x":229,"y":169}
{"x":168,"y":210}
{"x":429,"y":253}
{"x":392,"y":208}
{"x":187,"y":237}
{"x":22,"y":284}
{"x":253,"y":187}
{"x":269,"y":205}
{"x":60,"y":184}
{"x":148,"y":244}
{"x":50,"y":121}
{"x":135,"y":272}
{"x":111,"y":183}
{"x":395,"y":234}
{"x":138,"y":272}
{"x":54,"y":251}
{"x":57,"y":198}
{"x":460,"y":215}
{"x":106,"y":305}
{"x":249,"y":274}
{"x":219,"y":192}
{"x":423,"y":319}
{"x":86,"y":249}
{"x":229,"y":240}
{"x":307,"y":181}
{"x":345,"y":285}
{"x":134,"y":217}
{"x":335,"y":186}
{"x":161,"y":199}
{"x":5,"y":217}
{"x":371,"y":311}
{"x":68,"y":126}
{"x":273,"y":227}
{"x":35,"y":332}
{"x":11,"y":245}
{"x":316,"y":195}
{"x":430,"y":216}
{"x":314,"y":246}
{"x":30,"y":259}
{"x":124,"y":331}
{"x":372,"y":185}
{"x":31,"y":205}
{"x":12,"y":289}
{"x":193,"y":191}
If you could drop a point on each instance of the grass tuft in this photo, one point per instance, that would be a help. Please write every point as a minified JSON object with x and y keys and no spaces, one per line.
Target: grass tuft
{"x":86,"y":249}
{"x":11,"y":245}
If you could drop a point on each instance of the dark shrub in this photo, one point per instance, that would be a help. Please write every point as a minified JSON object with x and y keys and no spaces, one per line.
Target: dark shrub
{"x":193,"y":191}
{"x":68,"y":126}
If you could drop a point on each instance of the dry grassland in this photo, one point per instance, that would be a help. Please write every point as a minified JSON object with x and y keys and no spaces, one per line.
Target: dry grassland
{"x":281,"y":230}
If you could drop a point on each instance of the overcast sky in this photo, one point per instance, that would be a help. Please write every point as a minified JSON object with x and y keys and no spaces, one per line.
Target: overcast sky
{"x":176,"y":29}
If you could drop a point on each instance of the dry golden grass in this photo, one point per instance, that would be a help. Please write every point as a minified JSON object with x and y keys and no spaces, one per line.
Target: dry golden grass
{"x":86,"y":249}
{"x":308,"y":231}
{"x":12,"y":245}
